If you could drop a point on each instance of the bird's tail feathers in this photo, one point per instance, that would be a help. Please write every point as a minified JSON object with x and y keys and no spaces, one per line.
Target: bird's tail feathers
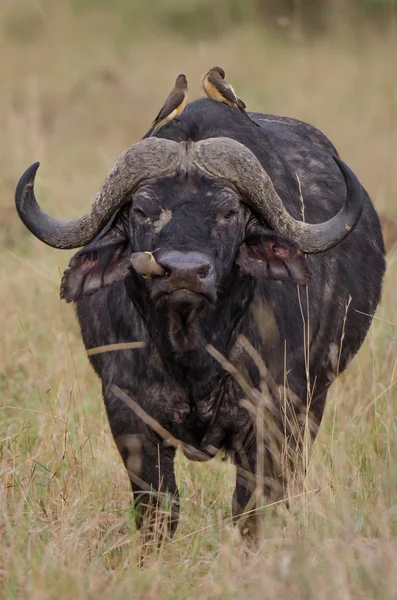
{"x":252,"y":120}
{"x":154,"y":131}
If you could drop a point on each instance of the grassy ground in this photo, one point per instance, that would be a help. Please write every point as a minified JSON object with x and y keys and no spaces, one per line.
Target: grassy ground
{"x":77,"y":88}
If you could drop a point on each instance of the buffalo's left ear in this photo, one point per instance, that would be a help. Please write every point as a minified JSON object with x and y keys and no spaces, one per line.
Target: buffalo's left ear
{"x":102,"y":262}
{"x":269,"y":255}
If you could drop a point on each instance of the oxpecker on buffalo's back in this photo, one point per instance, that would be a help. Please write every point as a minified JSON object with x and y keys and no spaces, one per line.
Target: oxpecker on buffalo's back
{"x":173,"y":106}
{"x":218,"y":89}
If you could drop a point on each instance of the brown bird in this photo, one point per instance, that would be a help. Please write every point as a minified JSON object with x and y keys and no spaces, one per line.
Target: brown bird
{"x":145,"y":264}
{"x":218,"y":89}
{"x":173,"y":106}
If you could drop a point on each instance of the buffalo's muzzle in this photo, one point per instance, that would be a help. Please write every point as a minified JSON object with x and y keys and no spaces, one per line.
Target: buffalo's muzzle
{"x":191,"y":271}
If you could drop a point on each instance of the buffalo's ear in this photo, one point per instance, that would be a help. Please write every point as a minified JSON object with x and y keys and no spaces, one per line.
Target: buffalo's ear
{"x":269,"y":255}
{"x":102,"y":262}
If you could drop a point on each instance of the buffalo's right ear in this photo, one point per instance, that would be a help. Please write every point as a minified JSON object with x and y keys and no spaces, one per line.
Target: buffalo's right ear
{"x":102,"y":262}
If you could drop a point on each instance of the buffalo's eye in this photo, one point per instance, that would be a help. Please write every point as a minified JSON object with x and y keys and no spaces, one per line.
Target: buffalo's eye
{"x":230,"y":214}
{"x":140,"y":213}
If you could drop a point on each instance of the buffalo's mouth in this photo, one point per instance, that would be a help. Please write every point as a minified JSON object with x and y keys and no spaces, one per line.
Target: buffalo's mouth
{"x":183,"y":306}
{"x":186,"y":304}
{"x":180,"y":298}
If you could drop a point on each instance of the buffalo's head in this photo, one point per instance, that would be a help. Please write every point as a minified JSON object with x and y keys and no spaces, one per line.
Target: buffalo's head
{"x":180,"y":222}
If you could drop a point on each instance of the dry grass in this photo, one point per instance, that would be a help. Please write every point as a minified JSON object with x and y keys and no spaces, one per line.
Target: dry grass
{"x":74,"y":95}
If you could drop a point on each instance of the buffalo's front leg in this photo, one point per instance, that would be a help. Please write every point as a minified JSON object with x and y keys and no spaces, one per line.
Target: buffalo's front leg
{"x":149,"y":462}
{"x":150,"y":467}
{"x":259,"y":479}
{"x":270,"y":463}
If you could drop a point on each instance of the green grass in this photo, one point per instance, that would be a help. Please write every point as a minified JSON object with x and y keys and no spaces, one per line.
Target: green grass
{"x":76,"y":90}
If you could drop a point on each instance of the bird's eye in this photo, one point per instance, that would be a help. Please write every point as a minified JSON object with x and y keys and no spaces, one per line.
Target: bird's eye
{"x":140,"y":213}
{"x":229,"y":214}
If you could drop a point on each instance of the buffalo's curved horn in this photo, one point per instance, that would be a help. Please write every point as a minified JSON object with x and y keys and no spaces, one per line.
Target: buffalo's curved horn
{"x":147,"y":159}
{"x":227,"y":159}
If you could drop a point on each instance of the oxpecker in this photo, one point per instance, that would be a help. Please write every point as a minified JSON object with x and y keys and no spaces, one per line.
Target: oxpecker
{"x":218,"y":89}
{"x":145,"y":264}
{"x":173,"y":106}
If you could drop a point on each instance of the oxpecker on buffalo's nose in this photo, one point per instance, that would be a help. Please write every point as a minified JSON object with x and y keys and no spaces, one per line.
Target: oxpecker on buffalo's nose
{"x":173,"y":106}
{"x":145,"y":264}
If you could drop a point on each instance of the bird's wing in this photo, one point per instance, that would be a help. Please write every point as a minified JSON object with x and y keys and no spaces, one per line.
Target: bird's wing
{"x":241,"y":105}
{"x":223,"y":88}
{"x":233,"y":92}
{"x":175,"y":98}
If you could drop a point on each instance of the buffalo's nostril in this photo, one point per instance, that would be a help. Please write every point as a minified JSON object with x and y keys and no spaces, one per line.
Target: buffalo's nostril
{"x":203,"y":271}
{"x":193,"y":265}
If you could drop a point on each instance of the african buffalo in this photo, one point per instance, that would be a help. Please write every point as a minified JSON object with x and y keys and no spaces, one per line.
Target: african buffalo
{"x":257,"y":240}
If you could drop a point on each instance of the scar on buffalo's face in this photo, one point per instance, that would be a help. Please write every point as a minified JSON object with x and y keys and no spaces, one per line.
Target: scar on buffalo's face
{"x":164,"y":218}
